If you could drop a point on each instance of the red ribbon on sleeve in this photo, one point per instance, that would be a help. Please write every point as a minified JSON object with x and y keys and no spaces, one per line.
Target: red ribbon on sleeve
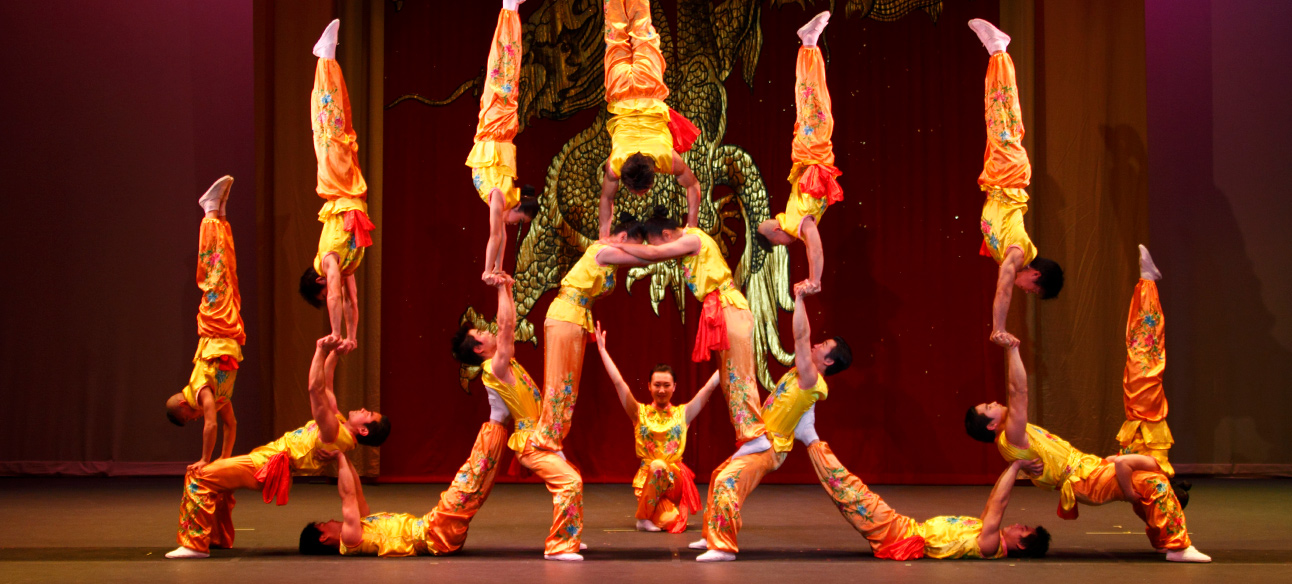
{"x":683,"y":131}
{"x":689,"y":496}
{"x":712,"y":332}
{"x":357,"y":222}
{"x":819,"y":181}
{"x":276,"y":475}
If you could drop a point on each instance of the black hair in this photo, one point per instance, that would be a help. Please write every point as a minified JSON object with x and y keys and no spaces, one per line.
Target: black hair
{"x":378,"y":431}
{"x":841,"y":355}
{"x":178,"y":421}
{"x":663,"y":368}
{"x":464,"y":346}
{"x":976,"y":426}
{"x":1033,"y":546}
{"x":637,"y":173}
{"x":1181,"y":488}
{"x":629,"y":224}
{"x":658,"y":222}
{"x":310,"y":544}
{"x":528,"y":202}
{"x":1051,"y":278}
{"x":763,"y":243}
{"x":310,"y":287}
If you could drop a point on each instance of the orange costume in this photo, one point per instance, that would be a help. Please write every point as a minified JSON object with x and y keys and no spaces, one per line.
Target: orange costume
{"x":639,"y":121}
{"x":444,"y":529}
{"x":340,"y":181}
{"x":206,"y":509}
{"x":813,"y":185}
{"x":1006,"y":170}
{"x":1145,"y":430}
{"x":493,"y":157}
{"x":891,"y":535}
{"x":1090,"y":480}
{"x":664,"y":485}
{"x":219,"y":316}
{"x":727,"y":326}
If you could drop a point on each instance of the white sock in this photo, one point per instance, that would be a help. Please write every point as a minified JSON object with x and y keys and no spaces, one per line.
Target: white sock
{"x":1189,"y":554}
{"x":497,"y":408}
{"x":809,"y":32}
{"x":511,"y":4}
{"x":213,"y":198}
{"x":182,"y":552}
{"x":991,"y":37}
{"x":805,"y":431}
{"x":566,"y":557}
{"x":715,"y":556}
{"x":754,"y":446}
{"x":1147,"y":269}
{"x":647,"y":525}
{"x":699,"y":545}
{"x":325,"y":48}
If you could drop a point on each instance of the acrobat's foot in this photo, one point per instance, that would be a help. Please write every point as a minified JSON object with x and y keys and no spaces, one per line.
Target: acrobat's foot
{"x":715,"y":556}
{"x":512,"y":5}
{"x":183,"y":553}
{"x":326,"y":47}
{"x":582,"y":546}
{"x":1189,"y":554}
{"x":990,"y":36}
{"x":214,"y":198}
{"x":646,"y":525}
{"x":809,"y":32}
{"x":699,"y":545}
{"x":1147,"y":269}
{"x":566,"y":557}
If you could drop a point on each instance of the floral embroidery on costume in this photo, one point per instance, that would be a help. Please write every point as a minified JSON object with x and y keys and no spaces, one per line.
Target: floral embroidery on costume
{"x":1004,"y":123}
{"x":725,"y":505}
{"x":811,"y":115}
{"x":988,"y":236}
{"x":1144,"y":341}
{"x":329,"y":122}
{"x":737,"y":390}
{"x":502,"y":71}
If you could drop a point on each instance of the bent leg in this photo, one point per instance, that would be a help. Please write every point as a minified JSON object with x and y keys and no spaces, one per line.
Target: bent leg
{"x":563,"y":348}
{"x":446,"y":525}
{"x":1157,"y":506}
{"x":655,"y":501}
{"x":566,"y":487}
{"x":738,"y":380}
{"x":203,"y":508}
{"x":336,"y":147}
{"x":1146,"y":431}
{"x":861,"y":508}
{"x":219,"y":313}
{"x":1005,"y":162}
{"x":728,"y":492}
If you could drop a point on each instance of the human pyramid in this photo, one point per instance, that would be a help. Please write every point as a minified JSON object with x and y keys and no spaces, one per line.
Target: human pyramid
{"x":646,"y":138}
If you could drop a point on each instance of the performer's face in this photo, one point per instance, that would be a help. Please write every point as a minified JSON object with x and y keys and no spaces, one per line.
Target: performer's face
{"x":993,"y":410}
{"x":661,"y":388}
{"x":821,"y":351}
{"x":488,"y":342}
{"x":514,"y":216}
{"x":180,"y":408}
{"x":1026,"y":281}
{"x":331,"y":532}
{"x":361,"y":416}
{"x":1015,"y":533}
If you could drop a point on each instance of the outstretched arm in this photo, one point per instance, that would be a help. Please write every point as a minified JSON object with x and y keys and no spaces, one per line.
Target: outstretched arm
{"x":696,"y":404}
{"x":625,"y":394}
{"x":335,"y":294}
{"x":816,"y":258}
{"x":497,"y":234}
{"x":685,"y":245}
{"x":803,"y":341}
{"x":353,"y":507}
{"x":230,"y":430}
{"x":206,"y":401}
{"x":351,"y":316}
{"x":687,"y":179}
{"x":613,"y":256}
{"x":1004,"y":293}
{"x":609,"y":186}
{"x":1016,"y":419}
{"x":997,"y":501}
{"x":506,"y":337}
{"x":322,"y":402}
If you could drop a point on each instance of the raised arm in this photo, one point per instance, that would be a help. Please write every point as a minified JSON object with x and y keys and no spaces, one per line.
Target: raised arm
{"x":1016,"y":418}
{"x":687,"y":179}
{"x":682,"y":246}
{"x":206,"y":401}
{"x":696,"y":404}
{"x":230,"y":430}
{"x":506,"y":337}
{"x":816,"y":258}
{"x":997,"y":501}
{"x":1004,"y":293}
{"x":613,"y":256}
{"x":322,"y":404}
{"x":625,"y":394}
{"x":335,"y":294}
{"x":803,"y":341}
{"x":609,"y":186}
{"x":351,"y":316}
{"x":497,"y":234}
{"x":353,"y":507}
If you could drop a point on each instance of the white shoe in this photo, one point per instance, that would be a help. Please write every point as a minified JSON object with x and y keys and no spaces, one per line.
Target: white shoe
{"x":184,"y":553}
{"x":715,"y":556}
{"x":699,"y":545}
{"x":215,"y":196}
{"x":1147,"y":269}
{"x":566,"y":557}
{"x":990,"y":36}
{"x":809,"y":32}
{"x":583,"y":546}
{"x":325,"y":48}
{"x":646,"y":525}
{"x":1189,"y":554}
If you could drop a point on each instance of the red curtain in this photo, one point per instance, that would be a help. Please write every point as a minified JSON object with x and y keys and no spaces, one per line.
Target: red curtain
{"x":903,"y":282}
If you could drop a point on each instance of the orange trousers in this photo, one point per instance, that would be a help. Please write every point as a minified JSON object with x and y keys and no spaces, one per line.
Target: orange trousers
{"x":634,"y":63}
{"x":1153,"y":500}
{"x":1004,"y":164}
{"x":1145,"y":431}
{"x":447,"y":523}
{"x":566,"y":486}
{"x":497,"y":120}
{"x":657,"y":498}
{"x":206,"y":508}
{"x":813,"y":122}
{"x":731,"y":483}
{"x":738,"y":381}
{"x":861,"y":508}
{"x":336,"y":148}
{"x":563,"y":346}
{"x":219,"y":313}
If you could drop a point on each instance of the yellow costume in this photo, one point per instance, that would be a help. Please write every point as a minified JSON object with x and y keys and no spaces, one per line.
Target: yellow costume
{"x":345,"y":220}
{"x":953,"y":538}
{"x":729,"y":486}
{"x":493,"y":157}
{"x":706,"y":272}
{"x":206,"y":508}
{"x":635,"y":89}
{"x":444,"y":529}
{"x":663,"y":482}
{"x":812,"y":178}
{"x":219,"y":316}
{"x":1006,"y":170}
{"x":522,"y":399}
{"x":586,"y":281}
{"x":1063,"y":464}
{"x":786,"y":404}
{"x":337,"y":239}
{"x":1145,"y":430}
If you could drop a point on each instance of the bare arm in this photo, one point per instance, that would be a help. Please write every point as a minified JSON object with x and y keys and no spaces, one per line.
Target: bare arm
{"x":322,"y":403}
{"x":206,"y":400}
{"x":685,"y":245}
{"x":335,"y":294}
{"x":497,"y":233}
{"x":696,"y":404}
{"x":230,"y":430}
{"x":803,"y":342}
{"x":1016,"y":419}
{"x":687,"y":179}
{"x":613,"y":256}
{"x":351,"y":316}
{"x":609,"y":186}
{"x":353,"y":507}
{"x":506,"y":331}
{"x":625,"y":394}
{"x":989,"y":537}
{"x":816,"y":258}
{"x":1004,"y":293}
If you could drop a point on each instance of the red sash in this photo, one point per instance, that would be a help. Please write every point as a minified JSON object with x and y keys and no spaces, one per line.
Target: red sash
{"x":276,"y":475}
{"x":1069,"y":514}
{"x":909,"y":548}
{"x":688,"y":496}
{"x":711,"y":335}
{"x":683,"y":131}
{"x":226,"y":363}
{"x":357,"y":222}
{"x":819,"y":181}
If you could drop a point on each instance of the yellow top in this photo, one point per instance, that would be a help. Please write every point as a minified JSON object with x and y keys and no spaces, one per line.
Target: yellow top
{"x":1002,"y":223}
{"x":786,"y":404}
{"x":952,"y":538}
{"x":585,"y":282}
{"x":493,"y":166}
{"x":800,"y":204}
{"x":640,"y":125}
{"x":706,"y":270}
{"x":660,"y":435}
{"x":522,"y":399}
{"x":335,"y":239}
{"x":207,"y":372}
{"x":391,"y":535}
{"x":299,"y":444}
{"x":1064,"y":464}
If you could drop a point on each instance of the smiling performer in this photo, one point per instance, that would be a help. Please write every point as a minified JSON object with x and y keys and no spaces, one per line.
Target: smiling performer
{"x":209,"y":391}
{"x":1006,"y":172}
{"x":645,"y":134}
{"x":726,"y":325}
{"x":813,"y":186}
{"x":511,"y":389}
{"x":206,"y":509}
{"x":664,"y":485}
{"x":493,"y":158}
{"x":1080,"y":477}
{"x":346,"y":226}
{"x":789,"y":405}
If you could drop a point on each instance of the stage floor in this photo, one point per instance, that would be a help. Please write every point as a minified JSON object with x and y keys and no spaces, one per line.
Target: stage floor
{"x":117,"y":529}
